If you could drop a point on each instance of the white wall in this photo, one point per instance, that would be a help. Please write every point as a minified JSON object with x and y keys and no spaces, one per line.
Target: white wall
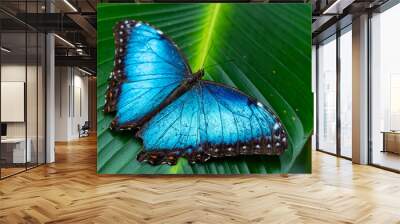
{"x":80,"y":109}
{"x":16,"y":73}
{"x":62,"y":82}
{"x":71,"y":102}
{"x":10,"y":73}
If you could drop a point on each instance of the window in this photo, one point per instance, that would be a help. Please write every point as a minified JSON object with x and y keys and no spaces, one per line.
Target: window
{"x":385,"y":89}
{"x":327,"y":95}
{"x":346,"y":92}
{"x":22,"y":101}
{"x":314,"y":90}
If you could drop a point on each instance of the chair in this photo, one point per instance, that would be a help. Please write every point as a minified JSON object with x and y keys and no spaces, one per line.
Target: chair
{"x":84,"y":129}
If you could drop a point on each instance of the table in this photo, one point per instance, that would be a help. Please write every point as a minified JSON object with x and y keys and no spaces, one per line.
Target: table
{"x":391,"y":141}
{"x":16,"y":147}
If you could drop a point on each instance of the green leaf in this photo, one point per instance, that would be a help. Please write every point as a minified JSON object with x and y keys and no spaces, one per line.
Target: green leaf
{"x":262,"y":49}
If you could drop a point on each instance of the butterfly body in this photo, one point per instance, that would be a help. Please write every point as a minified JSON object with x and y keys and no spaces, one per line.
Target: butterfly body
{"x":175,"y":113}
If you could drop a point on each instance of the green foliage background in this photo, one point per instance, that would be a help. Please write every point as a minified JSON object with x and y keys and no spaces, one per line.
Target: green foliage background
{"x":262,"y":49}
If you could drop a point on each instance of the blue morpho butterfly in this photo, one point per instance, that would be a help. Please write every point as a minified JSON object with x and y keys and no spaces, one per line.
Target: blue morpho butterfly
{"x":154,"y":92}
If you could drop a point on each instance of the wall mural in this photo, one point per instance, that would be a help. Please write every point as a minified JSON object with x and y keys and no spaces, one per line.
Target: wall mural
{"x":217,"y":88}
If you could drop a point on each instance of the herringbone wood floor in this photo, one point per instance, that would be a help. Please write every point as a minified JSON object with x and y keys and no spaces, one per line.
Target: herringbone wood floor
{"x":70,"y":191}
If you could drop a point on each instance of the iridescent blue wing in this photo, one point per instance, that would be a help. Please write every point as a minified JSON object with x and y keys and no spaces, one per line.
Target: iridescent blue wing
{"x":211,"y":120}
{"x":148,"y":68}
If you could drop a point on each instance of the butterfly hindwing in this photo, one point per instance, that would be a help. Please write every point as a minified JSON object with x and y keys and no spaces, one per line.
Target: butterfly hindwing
{"x":211,"y":120}
{"x":148,"y":68}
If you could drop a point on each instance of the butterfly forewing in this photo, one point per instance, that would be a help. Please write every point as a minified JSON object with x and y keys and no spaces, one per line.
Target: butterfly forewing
{"x":148,"y":68}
